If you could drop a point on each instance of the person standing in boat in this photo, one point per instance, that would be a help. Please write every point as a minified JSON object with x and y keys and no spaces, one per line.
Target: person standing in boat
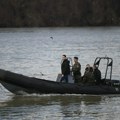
{"x":97,"y":74}
{"x":76,"y":68}
{"x":65,"y":69}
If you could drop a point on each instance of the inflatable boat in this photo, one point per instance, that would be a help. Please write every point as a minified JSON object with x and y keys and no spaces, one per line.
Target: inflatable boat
{"x":19,"y":84}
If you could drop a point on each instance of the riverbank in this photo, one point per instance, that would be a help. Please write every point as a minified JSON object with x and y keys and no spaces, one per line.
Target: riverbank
{"x":59,"y":13}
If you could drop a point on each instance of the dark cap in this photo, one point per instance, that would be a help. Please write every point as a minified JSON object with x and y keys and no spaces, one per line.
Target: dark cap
{"x":64,"y":55}
{"x":76,"y":58}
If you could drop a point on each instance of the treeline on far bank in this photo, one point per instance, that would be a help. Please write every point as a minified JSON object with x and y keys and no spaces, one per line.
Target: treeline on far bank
{"x":37,"y":13}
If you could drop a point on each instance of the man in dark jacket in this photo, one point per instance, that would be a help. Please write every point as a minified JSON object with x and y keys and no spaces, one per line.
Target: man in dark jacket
{"x":65,"y":68}
{"x":97,"y":75}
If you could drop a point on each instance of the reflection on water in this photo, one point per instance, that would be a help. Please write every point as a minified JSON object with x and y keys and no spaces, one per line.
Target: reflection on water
{"x":63,"y":100}
{"x":32,"y":52}
{"x":55,"y":106}
{"x":59,"y":107}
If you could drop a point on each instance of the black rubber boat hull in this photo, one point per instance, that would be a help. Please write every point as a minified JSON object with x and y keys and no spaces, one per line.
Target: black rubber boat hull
{"x":19,"y":84}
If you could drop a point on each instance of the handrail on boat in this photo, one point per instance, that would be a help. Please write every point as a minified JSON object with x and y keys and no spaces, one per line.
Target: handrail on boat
{"x":109,"y":64}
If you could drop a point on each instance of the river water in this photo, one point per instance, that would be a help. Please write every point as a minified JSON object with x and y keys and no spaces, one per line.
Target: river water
{"x":37,"y":52}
